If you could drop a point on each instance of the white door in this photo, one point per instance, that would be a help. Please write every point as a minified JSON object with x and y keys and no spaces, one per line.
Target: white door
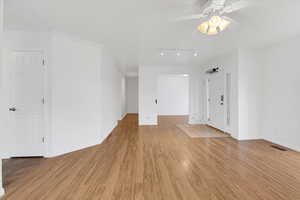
{"x":216,"y":101}
{"x":26,"y":103}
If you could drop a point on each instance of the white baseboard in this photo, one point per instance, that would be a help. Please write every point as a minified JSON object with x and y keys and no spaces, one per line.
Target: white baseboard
{"x":196,"y":122}
{"x":148,"y":124}
{"x":2,"y":192}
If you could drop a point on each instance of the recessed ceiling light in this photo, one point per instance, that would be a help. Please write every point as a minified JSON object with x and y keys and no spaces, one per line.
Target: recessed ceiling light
{"x":195,"y":54}
{"x":178,"y":54}
{"x":162,"y":54}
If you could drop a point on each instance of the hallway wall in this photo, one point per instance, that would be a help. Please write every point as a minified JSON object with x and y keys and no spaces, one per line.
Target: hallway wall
{"x":269,"y":93}
{"x":250,"y":90}
{"x":281,"y":122}
{"x":75,"y":94}
{"x":132,"y":94}
{"x":112,"y":83}
{"x":2,"y":133}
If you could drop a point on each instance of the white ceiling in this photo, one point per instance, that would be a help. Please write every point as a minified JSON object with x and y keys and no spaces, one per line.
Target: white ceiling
{"x":136,"y":30}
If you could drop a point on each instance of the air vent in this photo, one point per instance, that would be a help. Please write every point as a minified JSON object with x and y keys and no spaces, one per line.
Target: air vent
{"x":213,"y":70}
{"x":278,"y":148}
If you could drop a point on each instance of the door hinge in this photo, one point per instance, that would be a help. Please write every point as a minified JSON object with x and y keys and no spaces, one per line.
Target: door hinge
{"x":43,"y":100}
{"x":43,"y":139}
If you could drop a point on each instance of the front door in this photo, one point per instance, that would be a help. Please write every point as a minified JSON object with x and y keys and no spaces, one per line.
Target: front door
{"x":216,"y":101}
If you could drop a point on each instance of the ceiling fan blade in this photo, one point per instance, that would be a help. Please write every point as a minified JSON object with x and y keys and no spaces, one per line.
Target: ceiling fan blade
{"x":229,"y":19}
{"x":190,"y":17}
{"x":218,"y":4}
{"x":235,"y":6}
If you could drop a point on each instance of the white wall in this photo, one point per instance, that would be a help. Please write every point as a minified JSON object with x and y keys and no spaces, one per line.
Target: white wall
{"x":173,"y":95}
{"x":87,"y":96}
{"x":250,"y":90}
{"x":281,"y":121}
{"x":123,"y":96}
{"x":148,"y":78}
{"x":132,"y":94}
{"x":269,"y":93}
{"x":2,"y":136}
{"x":75,"y":94}
{"x":85,"y":92}
{"x":112,"y":84}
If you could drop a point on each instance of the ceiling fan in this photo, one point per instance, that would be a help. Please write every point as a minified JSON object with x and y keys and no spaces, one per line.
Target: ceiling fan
{"x":215,"y":11}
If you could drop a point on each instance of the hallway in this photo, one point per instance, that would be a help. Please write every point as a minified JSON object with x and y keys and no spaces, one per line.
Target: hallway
{"x":160,"y":163}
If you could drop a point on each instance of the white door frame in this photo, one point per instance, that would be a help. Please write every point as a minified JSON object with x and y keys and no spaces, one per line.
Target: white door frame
{"x":207,"y":100}
{"x":45,"y":96}
{"x":228,"y":90}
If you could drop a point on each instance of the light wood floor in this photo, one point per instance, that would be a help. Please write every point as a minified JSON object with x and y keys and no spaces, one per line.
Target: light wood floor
{"x":159,"y":163}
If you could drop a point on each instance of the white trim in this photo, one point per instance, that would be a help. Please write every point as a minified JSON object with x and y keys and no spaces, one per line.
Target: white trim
{"x":109,"y":131}
{"x":196,"y":122}
{"x":149,"y":123}
{"x":2,"y":191}
{"x":124,"y":115}
{"x":27,"y":50}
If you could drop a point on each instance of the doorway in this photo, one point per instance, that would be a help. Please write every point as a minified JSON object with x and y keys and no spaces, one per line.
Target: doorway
{"x":132,"y":95}
{"x":173,"y":95}
{"x":26,"y":103}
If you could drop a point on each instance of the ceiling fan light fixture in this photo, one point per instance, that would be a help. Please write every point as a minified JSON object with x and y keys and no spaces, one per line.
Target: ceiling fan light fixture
{"x":212,"y":31}
{"x":224,"y":24}
{"x":214,"y":25}
{"x":215,"y":21}
{"x":203,"y":28}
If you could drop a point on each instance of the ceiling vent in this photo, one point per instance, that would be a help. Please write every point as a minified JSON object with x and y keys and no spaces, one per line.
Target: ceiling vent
{"x":278,"y":148}
{"x":213,"y":70}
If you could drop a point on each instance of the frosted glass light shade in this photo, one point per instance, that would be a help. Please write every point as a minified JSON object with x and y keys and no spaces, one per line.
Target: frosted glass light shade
{"x":224,"y":24}
{"x":203,"y":28}
{"x":215,"y":21}
{"x":212,"y":31}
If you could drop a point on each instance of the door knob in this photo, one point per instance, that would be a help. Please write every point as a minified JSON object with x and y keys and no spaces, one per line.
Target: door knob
{"x":12,"y":109}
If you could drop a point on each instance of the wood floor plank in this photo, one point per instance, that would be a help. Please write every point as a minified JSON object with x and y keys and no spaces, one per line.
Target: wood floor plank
{"x":158,"y":163}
